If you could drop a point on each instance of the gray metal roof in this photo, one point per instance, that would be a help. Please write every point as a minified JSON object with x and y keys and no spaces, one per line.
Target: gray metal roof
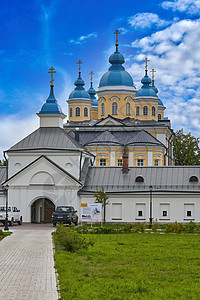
{"x":2,"y":175}
{"x":104,"y":138}
{"x":172,"y":178}
{"x":119,"y":138}
{"x":126,"y":122}
{"x":47,"y":138}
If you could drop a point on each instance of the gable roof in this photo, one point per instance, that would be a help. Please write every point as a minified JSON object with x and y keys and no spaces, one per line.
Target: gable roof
{"x":2,"y":175}
{"x":163,"y":179}
{"x":144,"y":137}
{"x":49,"y":160}
{"x":104,"y":138}
{"x":51,"y":138}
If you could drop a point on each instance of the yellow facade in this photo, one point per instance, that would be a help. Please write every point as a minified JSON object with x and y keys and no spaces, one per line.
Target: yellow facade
{"x":94,"y":112}
{"x":126,"y":107}
{"x":75,"y":107}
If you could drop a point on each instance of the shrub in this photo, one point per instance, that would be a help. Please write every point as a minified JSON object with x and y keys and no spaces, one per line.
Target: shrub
{"x":190,"y":227}
{"x":155,"y":227}
{"x":174,"y":227}
{"x":67,"y":239}
{"x":140,"y":227}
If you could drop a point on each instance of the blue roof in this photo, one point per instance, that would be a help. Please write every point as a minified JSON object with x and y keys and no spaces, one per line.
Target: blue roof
{"x":146,"y":90}
{"x":51,"y":106}
{"x":92,"y":94}
{"x":160,"y":103}
{"x":154,"y":87}
{"x":79,"y":91}
{"x":116,"y":74}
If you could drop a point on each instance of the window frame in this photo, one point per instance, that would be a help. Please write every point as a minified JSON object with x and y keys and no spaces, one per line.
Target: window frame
{"x":114,"y":108}
{"x":153,"y":111}
{"x":137,"y":113}
{"x":104,"y":160}
{"x":84,"y":112}
{"x":128,"y":109}
{"x":71,"y":112}
{"x":145,"y":110}
{"x":78,"y":111}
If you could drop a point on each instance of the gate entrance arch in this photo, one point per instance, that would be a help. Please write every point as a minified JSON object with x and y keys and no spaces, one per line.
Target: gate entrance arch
{"x":41,"y":211}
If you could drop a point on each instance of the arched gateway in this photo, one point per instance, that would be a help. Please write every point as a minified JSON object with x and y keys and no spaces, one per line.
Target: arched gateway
{"x":41,"y":211}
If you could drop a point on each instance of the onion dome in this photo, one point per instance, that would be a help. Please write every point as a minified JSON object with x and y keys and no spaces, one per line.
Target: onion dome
{"x":160,"y":103}
{"x":92,"y":94}
{"x":116,"y":74}
{"x":79,"y":91}
{"x":146,"y":90}
{"x":51,"y":106}
{"x":154,"y":87}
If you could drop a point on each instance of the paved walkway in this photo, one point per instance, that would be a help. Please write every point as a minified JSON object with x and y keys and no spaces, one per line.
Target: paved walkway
{"x":26,"y":264}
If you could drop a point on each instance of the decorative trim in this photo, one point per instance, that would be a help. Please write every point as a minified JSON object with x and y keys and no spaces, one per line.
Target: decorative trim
{"x":114,"y":98}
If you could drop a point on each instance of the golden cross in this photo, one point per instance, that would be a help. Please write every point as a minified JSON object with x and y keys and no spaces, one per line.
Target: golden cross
{"x":79,"y":62}
{"x":52,"y":71}
{"x":146,"y":60}
{"x":116,"y":32}
{"x":153,"y":72}
{"x":91,"y":73}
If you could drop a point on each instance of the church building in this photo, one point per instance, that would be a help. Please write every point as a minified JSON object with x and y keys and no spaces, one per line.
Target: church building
{"x":119,"y":140}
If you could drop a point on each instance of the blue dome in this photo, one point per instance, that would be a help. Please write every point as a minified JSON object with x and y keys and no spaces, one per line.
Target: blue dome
{"x":160,"y":103}
{"x":116,"y":74}
{"x":154,"y":87}
{"x":92,"y":94}
{"x":79,"y":91}
{"x":146,"y":90}
{"x":51,"y":106}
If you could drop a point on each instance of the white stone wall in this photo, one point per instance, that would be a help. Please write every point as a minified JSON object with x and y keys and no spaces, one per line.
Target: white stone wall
{"x":130,"y":205}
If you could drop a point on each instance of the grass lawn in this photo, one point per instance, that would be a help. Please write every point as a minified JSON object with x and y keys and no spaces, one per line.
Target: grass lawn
{"x":4,"y":234}
{"x":132,"y":266}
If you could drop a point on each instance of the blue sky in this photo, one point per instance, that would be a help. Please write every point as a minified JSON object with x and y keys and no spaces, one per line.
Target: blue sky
{"x":38,"y":34}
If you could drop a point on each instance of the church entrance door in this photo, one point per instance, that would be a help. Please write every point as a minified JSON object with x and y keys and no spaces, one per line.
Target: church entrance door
{"x":41,"y":211}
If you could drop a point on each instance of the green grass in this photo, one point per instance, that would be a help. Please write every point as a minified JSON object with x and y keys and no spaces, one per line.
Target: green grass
{"x":4,"y":234}
{"x":132,"y":266}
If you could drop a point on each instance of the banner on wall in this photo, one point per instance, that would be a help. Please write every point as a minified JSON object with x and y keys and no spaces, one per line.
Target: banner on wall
{"x":91,"y":212}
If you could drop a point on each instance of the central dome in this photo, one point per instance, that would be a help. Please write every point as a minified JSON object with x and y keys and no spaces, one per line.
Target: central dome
{"x":116,"y":75}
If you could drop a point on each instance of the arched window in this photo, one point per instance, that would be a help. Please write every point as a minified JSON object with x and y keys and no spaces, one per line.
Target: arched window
{"x":139,"y":179}
{"x":85,"y":112}
{"x":102,"y":109}
{"x":70,"y":112}
{"x":193,"y":179}
{"x":153,"y":111}
{"x":128,"y":109}
{"x":145,"y":111}
{"x":78,"y":112}
{"x":159,"y":116}
{"x":137,"y":111}
{"x":114,"y":108}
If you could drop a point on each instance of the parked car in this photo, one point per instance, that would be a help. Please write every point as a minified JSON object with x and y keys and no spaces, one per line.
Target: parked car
{"x":14,"y":215}
{"x":65,"y":215}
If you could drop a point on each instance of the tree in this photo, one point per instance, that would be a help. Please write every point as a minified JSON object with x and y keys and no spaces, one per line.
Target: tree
{"x":186,"y":149}
{"x":102,"y":197}
{"x":2,"y":163}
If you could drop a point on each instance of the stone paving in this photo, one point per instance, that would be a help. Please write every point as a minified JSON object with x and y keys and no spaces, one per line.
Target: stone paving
{"x":26,"y":264}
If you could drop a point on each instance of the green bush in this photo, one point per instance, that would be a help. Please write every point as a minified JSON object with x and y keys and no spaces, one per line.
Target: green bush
{"x":190,"y":227}
{"x":67,"y":239}
{"x":174,"y":227}
{"x":140,"y":227}
{"x":155,"y":227}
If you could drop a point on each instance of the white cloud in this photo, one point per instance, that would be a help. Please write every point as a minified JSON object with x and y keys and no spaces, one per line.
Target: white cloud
{"x":13,"y":129}
{"x":190,"y":6}
{"x":83,"y":38}
{"x":174,"y":54}
{"x":147,"y":20}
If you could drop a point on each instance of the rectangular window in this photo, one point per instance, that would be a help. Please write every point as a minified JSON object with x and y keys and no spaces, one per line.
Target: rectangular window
{"x":189,"y":211}
{"x":116,"y":211}
{"x":164,"y":211}
{"x":156,"y":162}
{"x":140,"y":162}
{"x":119,"y":162}
{"x":102,"y":162}
{"x":140,"y":211}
